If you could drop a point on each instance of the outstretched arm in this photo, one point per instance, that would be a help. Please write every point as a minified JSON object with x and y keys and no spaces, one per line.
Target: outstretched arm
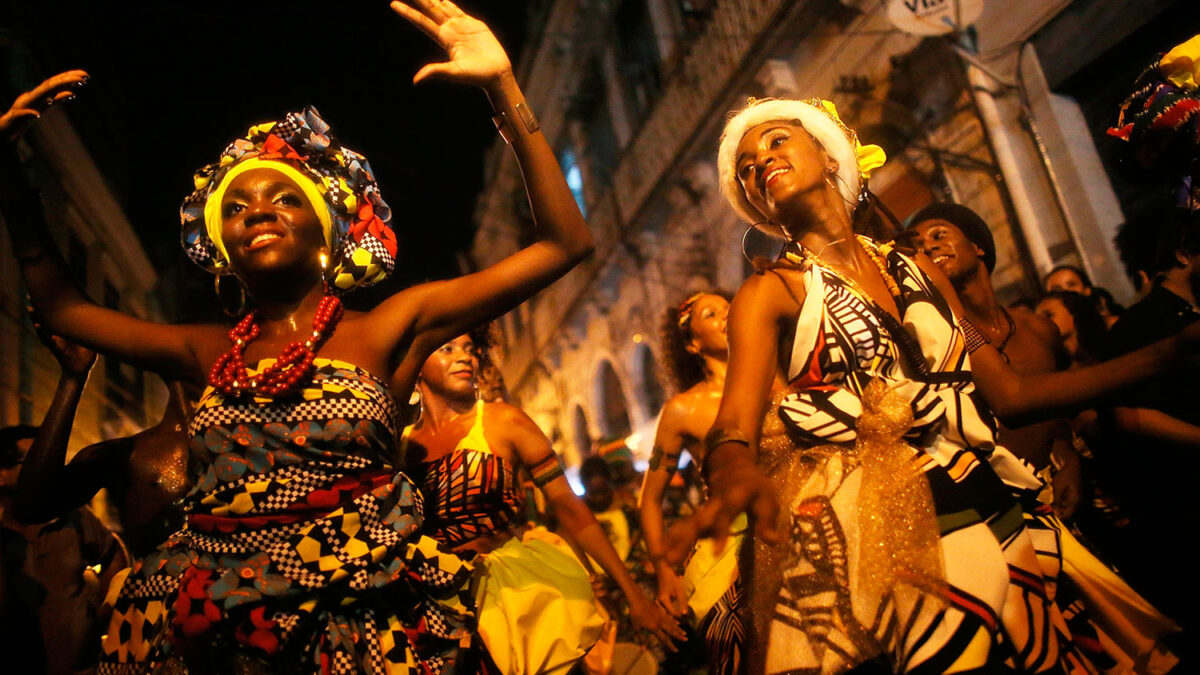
{"x":442,"y":310}
{"x":534,"y":449}
{"x":64,"y":309}
{"x":46,"y":489}
{"x":1019,"y":399}
{"x":664,"y":461}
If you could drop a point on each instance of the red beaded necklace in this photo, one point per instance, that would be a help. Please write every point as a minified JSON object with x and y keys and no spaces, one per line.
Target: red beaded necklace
{"x":230,"y":376}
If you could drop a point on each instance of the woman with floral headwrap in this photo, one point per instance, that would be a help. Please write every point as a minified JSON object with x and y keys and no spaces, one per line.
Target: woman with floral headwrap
{"x":302,"y":549}
{"x":883,"y":511}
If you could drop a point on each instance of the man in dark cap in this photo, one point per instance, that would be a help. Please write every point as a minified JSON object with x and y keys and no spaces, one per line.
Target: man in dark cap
{"x":960,"y":243}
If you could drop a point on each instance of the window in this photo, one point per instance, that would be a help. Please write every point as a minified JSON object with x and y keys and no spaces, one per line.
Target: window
{"x":637,"y":55}
{"x":589,"y":109}
{"x":570,"y":168}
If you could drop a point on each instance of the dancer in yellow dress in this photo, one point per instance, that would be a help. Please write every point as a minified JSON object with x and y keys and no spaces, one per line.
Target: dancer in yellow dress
{"x":537,"y":612}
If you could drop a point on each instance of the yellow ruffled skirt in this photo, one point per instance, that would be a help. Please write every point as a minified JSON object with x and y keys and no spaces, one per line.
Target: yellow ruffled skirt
{"x":537,"y":611}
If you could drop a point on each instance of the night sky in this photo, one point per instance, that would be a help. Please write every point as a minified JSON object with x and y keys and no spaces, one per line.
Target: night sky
{"x":173,"y":83}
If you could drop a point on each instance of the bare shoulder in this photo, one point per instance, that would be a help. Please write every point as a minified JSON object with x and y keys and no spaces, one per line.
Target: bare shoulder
{"x":507,"y":415}
{"x":774,"y":291}
{"x":1035,"y":324}
{"x":395,"y":315}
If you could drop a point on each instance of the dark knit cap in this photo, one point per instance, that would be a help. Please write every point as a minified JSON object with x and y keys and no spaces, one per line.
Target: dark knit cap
{"x":966,"y":220}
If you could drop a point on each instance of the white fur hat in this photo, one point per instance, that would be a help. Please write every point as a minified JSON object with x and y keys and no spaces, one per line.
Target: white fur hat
{"x":820,"y":119}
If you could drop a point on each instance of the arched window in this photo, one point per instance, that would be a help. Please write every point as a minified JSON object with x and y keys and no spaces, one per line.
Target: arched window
{"x":613,"y":406}
{"x":583,"y":437}
{"x":651,"y":387}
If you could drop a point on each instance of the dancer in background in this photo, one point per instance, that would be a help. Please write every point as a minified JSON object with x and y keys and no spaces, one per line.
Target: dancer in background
{"x":885,"y":508}
{"x":697,"y":351}
{"x":302,"y":548}
{"x":146,"y":475}
{"x":537,"y":612}
{"x":1103,"y":607}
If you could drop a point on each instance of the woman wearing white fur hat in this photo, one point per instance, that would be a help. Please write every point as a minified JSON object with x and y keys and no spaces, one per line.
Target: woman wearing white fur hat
{"x":888,"y":523}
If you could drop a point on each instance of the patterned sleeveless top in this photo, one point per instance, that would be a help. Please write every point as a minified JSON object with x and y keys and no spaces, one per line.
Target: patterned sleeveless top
{"x":470,"y":492}
{"x":844,"y":340}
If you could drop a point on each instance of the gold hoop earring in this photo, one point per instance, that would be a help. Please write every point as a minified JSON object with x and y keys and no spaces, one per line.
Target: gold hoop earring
{"x":241,"y":306}
{"x":323,"y":260}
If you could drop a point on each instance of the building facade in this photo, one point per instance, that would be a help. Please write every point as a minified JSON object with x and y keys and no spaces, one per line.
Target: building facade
{"x":99,"y":245}
{"x":1006,"y":116}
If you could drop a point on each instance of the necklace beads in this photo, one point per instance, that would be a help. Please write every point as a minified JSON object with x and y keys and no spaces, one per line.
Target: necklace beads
{"x":230,"y":376}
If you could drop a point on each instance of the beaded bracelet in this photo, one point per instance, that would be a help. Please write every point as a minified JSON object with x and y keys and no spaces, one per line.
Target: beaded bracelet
{"x":973,"y":338}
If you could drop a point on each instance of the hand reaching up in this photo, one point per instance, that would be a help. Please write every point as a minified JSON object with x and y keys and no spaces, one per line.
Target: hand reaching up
{"x":30,"y":105}
{"x":476,"y":56}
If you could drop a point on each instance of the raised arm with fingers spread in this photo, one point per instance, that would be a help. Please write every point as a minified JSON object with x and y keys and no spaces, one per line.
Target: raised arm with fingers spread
{"x":442,"y":310}
{"x":65,"y":310}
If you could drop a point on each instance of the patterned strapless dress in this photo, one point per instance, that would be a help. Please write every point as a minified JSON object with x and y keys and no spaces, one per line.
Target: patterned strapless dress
{"x":537,"y":611}
{"x":301,"y":550}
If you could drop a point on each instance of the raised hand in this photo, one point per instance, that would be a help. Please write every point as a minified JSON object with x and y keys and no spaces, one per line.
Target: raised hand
{"x":476,"y":56}
{"x":30,"y":105}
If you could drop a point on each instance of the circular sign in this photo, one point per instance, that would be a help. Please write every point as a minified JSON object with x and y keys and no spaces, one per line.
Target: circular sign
{"x":933,"y":17}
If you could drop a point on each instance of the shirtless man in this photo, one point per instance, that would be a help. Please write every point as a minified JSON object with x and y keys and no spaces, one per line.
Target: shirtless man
{"x":959,"y":242}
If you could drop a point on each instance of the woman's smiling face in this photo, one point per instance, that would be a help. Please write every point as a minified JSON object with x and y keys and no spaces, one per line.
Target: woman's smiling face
{"x":777,"y":161}
{"x":267,"y":222}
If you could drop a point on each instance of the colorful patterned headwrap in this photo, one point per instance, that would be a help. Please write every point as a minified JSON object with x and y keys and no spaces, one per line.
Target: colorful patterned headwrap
{"x":1160,"y":120}
{"x":820,"y":119}
{"x":337,"y":181}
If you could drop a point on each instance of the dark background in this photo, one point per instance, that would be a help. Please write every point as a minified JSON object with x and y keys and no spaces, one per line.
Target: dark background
{"x":173,"y":83}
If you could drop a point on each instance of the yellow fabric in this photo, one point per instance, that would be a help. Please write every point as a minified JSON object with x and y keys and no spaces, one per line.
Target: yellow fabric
{"x":537,"y":612}
{"x":475,"y":440}
{"x":616,"y":527}
{"x":212,"y":207}
{"x":114,"y":586}
{"x":870,"y":157}
{"x":1181,"y":65}
{"x":709,"y":574}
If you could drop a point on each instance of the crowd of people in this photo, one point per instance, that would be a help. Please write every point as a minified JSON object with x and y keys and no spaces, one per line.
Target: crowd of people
{"x":870,"y":463}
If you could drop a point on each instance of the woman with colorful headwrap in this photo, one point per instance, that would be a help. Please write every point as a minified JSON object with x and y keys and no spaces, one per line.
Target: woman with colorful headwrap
{"x":302,"y":548}
{"x":883,"y":511}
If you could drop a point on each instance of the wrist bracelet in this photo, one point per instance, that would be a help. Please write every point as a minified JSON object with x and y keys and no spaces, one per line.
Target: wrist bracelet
{"x":717,"y":436}
{"x":530,"y":121}
{"x":973,"y":339}
{"x":714,"y":438}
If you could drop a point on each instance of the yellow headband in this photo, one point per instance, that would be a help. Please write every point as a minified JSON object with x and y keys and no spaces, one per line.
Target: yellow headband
{"x":212,"y":207}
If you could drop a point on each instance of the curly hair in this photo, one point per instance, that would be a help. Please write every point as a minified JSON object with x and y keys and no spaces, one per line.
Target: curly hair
{"x":685,"y":368}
